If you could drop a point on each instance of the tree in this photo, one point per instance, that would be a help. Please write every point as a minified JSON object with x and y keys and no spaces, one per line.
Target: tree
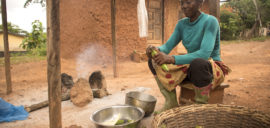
{"x":253,"y":13}
{"x":258,"y":13}
{"x":35,"y":42}
{"x":35,"y":39}
{"x":265,"y":11}
{"x":14,"y":29}
{"x":41,"y":2}
{"x":246,"y":11}
{"x":230,"y":25}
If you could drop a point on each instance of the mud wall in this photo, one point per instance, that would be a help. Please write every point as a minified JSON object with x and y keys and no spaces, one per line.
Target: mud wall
{"x":171,"y":17}
{"x":127,"y":31}
{"x":84,"y":23}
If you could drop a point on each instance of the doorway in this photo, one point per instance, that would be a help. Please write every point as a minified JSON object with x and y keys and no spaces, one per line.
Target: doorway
{"x":154,"y":22}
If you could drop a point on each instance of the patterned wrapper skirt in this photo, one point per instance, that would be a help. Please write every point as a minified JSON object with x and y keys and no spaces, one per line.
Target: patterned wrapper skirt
{"x":177,"y":73}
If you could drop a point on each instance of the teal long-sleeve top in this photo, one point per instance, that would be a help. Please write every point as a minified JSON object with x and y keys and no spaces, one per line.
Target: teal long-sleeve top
{"x":201,"y":38}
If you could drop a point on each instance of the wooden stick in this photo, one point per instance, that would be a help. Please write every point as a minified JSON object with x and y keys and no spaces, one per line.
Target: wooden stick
{"x":114,"y":44}
{"x":43,"y":104}
{"x":163,"y":21}
{"x":6,"y":47}
{"x":36,"y":106}
{"x":53,"y":63}
{"x":214,"y":8}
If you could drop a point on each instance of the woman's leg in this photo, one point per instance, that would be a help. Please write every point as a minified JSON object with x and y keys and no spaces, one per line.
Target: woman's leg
{"x":201,"y":75}
{"x":170,"y":96}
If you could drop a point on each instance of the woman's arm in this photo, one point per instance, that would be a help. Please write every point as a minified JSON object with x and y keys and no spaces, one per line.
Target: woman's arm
{"x":206,"y":47}
{"x":173,"y":40}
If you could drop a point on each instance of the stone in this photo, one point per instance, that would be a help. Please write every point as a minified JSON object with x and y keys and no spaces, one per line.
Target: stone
{"x":99,"y":93}
{"x":81,"y":94}
{"x":66,"y":80}
{"x":66,"y":84}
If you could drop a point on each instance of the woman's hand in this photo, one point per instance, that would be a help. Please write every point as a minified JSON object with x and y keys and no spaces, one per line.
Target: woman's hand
{"x":162,"y":58}
{"x":149,"y":50}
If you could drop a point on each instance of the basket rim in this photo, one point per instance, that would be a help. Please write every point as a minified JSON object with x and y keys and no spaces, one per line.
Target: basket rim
{"x":235,"y":109}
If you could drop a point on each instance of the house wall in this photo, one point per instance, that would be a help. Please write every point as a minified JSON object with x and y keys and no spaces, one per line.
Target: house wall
{"x":171,"y":17}
{"x":127,"y":31}
{"x":87,"y":23}
{"x":14,"y":43}
{"x":84,"y":24}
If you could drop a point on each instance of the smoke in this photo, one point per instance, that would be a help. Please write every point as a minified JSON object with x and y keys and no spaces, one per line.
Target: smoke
{"x":93,"y":55}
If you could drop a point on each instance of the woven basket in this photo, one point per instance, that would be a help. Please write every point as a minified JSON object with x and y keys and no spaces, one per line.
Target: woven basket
{"x":211,"y":116}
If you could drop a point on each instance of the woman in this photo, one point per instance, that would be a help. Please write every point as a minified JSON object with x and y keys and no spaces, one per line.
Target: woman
{"x":202,"y":66}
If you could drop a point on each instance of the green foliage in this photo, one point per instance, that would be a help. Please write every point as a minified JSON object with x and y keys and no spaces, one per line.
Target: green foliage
{"x":230,"y":25}
{"x":264,"y":6}
{"x":18,"y":59}
{"x":246,"y":10}
{"x":35,"y":42}
{"x":28,"y":2}
{"x":257,"y":39}
{"x":260,"y":39}
{"x":15,"y":54}
{"x":13,"y":29}
{"x":40,"y":51}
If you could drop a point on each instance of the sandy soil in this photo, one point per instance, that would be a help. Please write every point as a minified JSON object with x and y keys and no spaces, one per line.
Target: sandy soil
{"x":249,"y":84}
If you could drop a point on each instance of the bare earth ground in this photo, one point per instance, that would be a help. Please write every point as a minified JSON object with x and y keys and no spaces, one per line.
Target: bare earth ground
{"x":249,"y":84}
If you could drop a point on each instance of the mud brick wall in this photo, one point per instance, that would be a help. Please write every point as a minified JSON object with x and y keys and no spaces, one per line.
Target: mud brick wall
{"x":87,"y":22}
{"x":84,"y":23}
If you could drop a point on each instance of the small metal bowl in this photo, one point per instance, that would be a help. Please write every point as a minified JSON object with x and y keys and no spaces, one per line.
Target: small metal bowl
{"x":123,"y":112}
{"x":141,"y":100}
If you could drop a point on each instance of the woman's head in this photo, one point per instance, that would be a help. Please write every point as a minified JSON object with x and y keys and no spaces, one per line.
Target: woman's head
{"x":191,"y":7}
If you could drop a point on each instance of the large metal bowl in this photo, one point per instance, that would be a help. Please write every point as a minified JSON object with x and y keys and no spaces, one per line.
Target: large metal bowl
{"x":141,"y":100}
{"x":123,"y":112}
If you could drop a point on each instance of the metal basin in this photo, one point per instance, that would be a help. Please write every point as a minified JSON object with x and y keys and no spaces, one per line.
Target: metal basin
{"x":141,"y":100}
{"x":107,"y":117}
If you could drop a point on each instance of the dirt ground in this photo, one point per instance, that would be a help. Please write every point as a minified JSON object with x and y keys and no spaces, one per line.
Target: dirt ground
{"x":249,"y":84}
